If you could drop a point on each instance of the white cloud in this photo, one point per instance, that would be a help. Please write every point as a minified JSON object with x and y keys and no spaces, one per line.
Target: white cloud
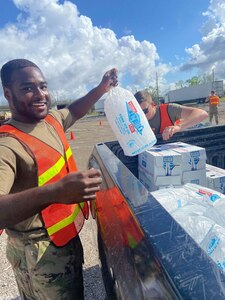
{"x":72,"y":53}
{"x":210,"y":54}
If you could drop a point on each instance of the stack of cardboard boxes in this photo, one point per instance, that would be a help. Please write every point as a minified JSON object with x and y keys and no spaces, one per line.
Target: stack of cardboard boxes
{"x":172,"y":164}
{"x":215,"y":178}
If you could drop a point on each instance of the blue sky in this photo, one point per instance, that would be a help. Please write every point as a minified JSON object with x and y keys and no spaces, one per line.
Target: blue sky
{"x":74,"y":42}
{"x":171,"y":25}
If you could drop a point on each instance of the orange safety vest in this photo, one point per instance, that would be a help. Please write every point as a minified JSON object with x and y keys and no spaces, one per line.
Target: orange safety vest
{"x":165,"y":120}
{"x":214,"y":100}
{"x":62,"y":221}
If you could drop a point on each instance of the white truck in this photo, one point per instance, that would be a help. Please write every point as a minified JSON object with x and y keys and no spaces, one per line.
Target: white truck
{"x":195,"y":94}
{"x":99,"y":106}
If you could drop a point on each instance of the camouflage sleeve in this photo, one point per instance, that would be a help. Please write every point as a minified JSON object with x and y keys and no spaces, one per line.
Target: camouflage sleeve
{"x":174,"y":111}
{"x":64,"y":117}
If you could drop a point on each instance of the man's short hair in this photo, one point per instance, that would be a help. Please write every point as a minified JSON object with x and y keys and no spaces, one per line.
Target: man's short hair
{"x":13,"y":65}
{"x":142,"y":96}
{"x":212,"y":92}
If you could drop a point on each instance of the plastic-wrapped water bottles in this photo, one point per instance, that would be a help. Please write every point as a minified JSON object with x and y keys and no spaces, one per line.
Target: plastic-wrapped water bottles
{"x":214,"y":245}
{"x":200,"y":212}
{"x":187,"y":207}
{"x":193,"y":222}
{"x":128,"y":121}
{"x":173,"y":199}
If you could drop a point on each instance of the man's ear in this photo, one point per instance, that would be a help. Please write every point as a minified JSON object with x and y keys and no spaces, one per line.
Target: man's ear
{"x":7,"y":94}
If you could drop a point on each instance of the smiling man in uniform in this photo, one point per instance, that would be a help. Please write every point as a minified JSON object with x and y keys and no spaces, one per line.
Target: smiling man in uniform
{"x":43,"y":197}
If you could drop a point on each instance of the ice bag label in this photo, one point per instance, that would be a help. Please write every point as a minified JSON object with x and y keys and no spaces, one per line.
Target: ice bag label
{"x":134,"y":117}
{"x":121,"y":124}
{"x":128,"y":121}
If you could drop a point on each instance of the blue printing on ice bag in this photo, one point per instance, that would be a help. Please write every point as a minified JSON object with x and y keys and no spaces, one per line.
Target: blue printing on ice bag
{"x":212,"y":197}
{"x":134,"y":118}
{"x":134,"y":128}
{"x":179,"y":203}
{"x":212,"y":245}
{"x":121,"y":125}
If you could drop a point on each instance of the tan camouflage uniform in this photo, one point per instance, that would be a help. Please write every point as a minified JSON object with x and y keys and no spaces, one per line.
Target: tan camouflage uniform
{"x":42,"y":271}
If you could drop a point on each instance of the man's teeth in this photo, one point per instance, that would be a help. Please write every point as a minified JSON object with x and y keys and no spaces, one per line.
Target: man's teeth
{"x":39,"y":104}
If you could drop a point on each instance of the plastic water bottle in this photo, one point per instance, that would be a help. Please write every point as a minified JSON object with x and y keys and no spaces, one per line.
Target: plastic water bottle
{"x":128,"y":121}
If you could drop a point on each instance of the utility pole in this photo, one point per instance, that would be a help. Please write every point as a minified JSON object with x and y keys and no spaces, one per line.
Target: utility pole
{"x":213,"y":78}
{"x":213,"y":75}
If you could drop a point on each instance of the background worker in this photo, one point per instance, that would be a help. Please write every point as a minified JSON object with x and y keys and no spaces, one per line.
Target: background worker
{"x":214,"y":101}
{"x":42,"y":195}
{"x":168,"y":119}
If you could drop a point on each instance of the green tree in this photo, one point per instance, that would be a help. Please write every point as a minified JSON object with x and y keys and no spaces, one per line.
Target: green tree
{"x":195,"y":80}
{"x":154,"y":92}
{"x":206,"y":78}
{"x":180,"y":84}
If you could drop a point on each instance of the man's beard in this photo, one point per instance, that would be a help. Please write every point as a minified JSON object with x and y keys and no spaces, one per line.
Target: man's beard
{"x":25,"y":112}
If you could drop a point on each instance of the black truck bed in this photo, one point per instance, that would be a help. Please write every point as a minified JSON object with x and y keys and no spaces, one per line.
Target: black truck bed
{"x":145,"y":253}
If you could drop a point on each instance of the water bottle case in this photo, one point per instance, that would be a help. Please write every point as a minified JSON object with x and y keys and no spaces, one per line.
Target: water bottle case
{"x":128,"y":122}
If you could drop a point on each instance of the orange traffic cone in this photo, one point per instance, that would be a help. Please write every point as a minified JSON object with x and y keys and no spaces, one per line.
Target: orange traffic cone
{"x":71,"y":135}
{"x":100,"y":122}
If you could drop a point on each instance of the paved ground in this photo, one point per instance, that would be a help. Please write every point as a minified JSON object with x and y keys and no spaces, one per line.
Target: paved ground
{"x":87,"y":132}
{"x":221,"y":111}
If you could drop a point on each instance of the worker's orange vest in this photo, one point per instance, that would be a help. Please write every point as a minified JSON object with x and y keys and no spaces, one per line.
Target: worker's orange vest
{"x":214,"y":100}
{"x":62,"y":221}
{"x":165,"y":120}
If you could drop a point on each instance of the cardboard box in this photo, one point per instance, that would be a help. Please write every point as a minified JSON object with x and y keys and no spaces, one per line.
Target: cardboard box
{"x":215,"y":178}
{"x":193,"y":157}
{"x":146,"y":182}
{"x":197,"y":177}
{"x":172,"y":164}
{"x":160,"y":181}
{"x":160,"y":162}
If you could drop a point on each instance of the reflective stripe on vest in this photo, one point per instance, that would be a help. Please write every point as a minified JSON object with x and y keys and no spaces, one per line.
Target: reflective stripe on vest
{"x":71,"y":164}
{"x":54,"y":170}
{"x":214,"y":100}
{"x":63,"y":222}
{"x":165,"y":120}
